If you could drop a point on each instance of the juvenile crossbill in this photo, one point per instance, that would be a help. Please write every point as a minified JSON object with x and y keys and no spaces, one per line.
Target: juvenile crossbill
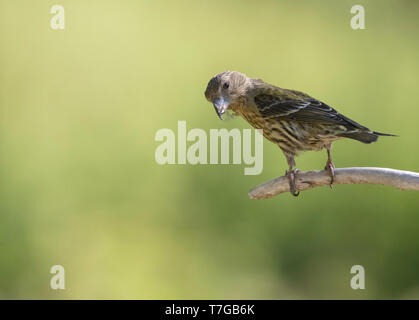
{"x":291,"y":119}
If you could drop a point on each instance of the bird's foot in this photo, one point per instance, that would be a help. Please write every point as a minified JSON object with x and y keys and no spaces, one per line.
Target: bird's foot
{"x":330,"y":168}
{"x":291,"y":178}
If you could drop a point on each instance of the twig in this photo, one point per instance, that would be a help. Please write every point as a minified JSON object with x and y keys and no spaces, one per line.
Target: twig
{"x":404,"y":180}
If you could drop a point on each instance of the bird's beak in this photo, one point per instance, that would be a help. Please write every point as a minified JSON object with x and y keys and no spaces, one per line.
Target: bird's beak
{"x":220,"y":106}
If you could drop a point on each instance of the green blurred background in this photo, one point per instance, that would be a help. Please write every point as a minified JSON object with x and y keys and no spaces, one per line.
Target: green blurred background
{"x":79,"y":185}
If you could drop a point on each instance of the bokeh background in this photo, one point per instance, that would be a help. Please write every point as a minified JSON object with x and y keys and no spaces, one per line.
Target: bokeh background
{"x":79,"y":185}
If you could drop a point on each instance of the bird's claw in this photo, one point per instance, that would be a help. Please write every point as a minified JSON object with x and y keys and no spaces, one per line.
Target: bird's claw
{"x":330,"y":168}
{"x":291,"y":178}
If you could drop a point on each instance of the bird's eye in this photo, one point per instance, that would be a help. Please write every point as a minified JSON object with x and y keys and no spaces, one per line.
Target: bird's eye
{"x":226,"y":85}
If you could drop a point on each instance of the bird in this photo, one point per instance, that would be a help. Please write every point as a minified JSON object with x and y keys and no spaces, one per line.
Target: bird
{"x":291,"y":119}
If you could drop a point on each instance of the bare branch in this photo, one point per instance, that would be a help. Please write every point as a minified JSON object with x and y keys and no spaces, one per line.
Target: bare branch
{"x":403,"y":180}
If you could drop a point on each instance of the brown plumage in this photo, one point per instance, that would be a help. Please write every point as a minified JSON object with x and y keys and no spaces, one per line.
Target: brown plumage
{"x":291,"y":119}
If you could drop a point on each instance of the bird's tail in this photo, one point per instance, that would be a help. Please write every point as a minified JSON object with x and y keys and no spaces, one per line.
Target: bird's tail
{"x":365,"y":136}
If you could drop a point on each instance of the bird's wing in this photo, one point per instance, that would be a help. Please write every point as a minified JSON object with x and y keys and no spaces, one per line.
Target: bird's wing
{"x":294,"y":105}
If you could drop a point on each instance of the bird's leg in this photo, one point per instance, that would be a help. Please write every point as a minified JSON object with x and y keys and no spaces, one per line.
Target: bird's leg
{"x":330,"y":167}
{"x":291,"y":173}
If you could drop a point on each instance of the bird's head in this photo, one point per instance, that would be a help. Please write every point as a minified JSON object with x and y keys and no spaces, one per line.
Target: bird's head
{"x":226,"y":89}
